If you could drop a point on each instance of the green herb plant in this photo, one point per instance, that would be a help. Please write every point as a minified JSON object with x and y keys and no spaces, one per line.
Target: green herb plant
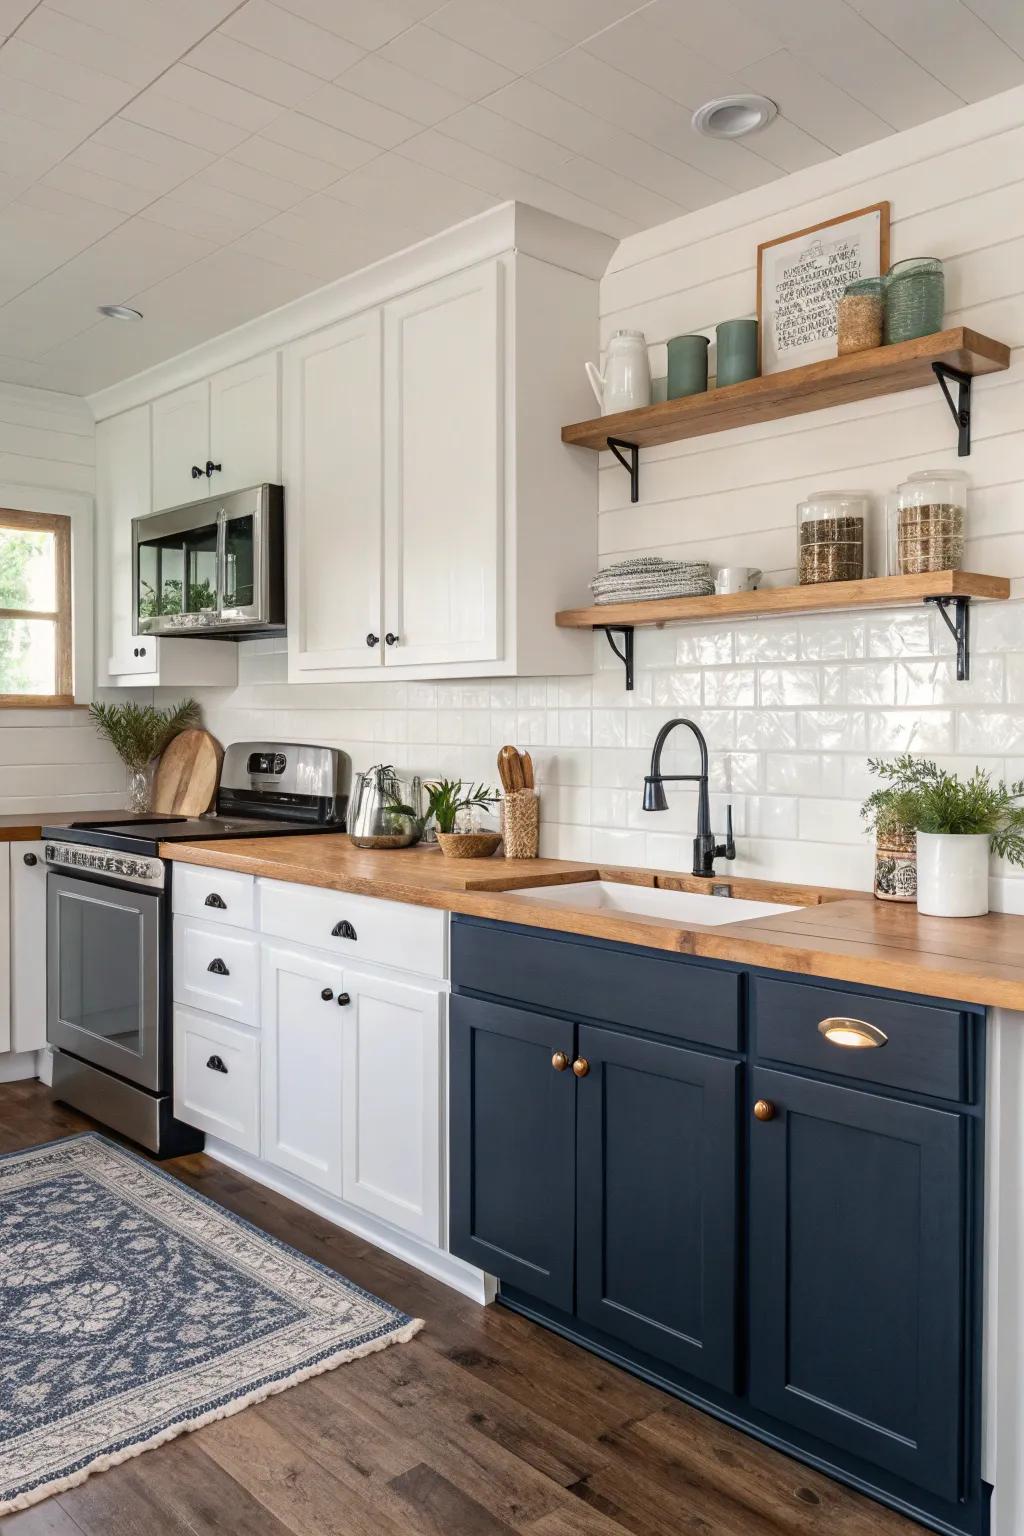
{"x":919,"y":795}
{"x":138,"y":732}
{"x":447,"y":797}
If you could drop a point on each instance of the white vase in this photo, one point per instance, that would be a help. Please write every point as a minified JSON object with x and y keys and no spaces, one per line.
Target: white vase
{"x":952,"y":873}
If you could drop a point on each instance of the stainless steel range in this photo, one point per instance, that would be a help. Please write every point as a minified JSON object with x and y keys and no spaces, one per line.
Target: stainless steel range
{"x":108,"y":932}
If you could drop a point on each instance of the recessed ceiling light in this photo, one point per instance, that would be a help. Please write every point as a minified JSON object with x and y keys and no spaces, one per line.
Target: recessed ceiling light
{"x":731,"y":117}
{"x":119,"y":312}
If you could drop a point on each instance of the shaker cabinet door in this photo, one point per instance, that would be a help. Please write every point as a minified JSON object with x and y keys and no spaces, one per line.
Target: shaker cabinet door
{"x":181,"y":440}
{"x":122,"y":493}
{"x":513,"y":1146}
{"x":444,"y":477}
{"x":392,"y":1102}
{"x":657,"y":1249}
{"x":857,"y":1239}
{"x":245,"y":427}
{"x":302,"y":1064}
{"x":332,"y":464}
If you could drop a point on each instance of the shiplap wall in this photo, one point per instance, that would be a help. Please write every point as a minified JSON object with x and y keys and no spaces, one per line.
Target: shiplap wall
{"x":50,"y":760}
{"x":792,"y":709}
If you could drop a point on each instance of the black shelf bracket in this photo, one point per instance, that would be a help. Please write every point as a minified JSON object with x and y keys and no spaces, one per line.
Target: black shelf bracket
{"x":960,"y":630}
{"x":961,"y":410}
{"x":631,"y":465}
{"x":626,"y":654}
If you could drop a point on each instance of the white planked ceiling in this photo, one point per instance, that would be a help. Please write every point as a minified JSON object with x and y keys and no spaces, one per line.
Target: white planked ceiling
{"x":208,"y":160}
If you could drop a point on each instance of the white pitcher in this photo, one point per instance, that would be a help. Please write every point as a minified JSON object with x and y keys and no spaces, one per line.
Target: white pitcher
{"x":626,"y":381}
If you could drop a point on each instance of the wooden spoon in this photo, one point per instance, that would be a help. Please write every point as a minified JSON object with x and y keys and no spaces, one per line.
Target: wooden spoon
{"x":510,"y":769}
{"x":527,"y":761}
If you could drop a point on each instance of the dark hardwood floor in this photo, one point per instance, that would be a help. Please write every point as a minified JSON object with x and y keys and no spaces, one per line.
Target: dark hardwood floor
{"x":485,"y":1424}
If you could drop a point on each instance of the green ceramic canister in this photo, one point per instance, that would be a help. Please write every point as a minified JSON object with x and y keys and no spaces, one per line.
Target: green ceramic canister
{"x":687,"y":365}
{"x":737,"y":351}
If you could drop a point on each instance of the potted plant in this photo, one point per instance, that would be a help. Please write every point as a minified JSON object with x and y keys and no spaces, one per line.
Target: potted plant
{"x":895,"y":846}
{"x":450,"y":798}
{"x":958,"y":822}
{"x":138,"y":733}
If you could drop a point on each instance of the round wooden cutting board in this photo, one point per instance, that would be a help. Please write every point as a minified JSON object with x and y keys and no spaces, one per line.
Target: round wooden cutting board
{"x":187,"y":775}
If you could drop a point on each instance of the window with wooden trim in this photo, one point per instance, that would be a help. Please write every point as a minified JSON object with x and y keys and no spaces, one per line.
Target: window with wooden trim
{"x":35,"y":610}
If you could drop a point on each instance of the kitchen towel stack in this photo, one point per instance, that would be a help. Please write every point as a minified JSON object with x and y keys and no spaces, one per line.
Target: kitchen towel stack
{"x":648,"y":577}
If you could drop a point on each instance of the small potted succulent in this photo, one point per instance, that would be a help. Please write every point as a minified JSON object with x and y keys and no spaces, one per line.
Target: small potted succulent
{"x":138,"y":734}
{"x":958,"y":823}
{"x":450,"y":802}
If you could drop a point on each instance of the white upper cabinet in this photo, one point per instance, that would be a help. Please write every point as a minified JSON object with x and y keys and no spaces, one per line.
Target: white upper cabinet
{"x":122,"y":492}
{"x":245,"y":431}
{"x":444,"y":477}
{"x":332,"y":463}
{"x":181,"y":443}
{"x":228,"y":425}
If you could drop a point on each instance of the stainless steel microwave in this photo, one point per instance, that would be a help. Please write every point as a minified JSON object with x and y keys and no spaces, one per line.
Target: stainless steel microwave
{"x":213,"y":567}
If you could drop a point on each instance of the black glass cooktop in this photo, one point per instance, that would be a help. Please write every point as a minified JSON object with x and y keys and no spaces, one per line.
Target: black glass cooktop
{"x":144,"y":834}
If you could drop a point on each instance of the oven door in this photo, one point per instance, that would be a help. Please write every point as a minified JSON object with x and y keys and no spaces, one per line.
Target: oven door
{"x":104,"y":962}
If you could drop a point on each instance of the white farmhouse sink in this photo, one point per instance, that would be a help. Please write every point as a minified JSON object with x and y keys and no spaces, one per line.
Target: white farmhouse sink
{"x":650,"y":901}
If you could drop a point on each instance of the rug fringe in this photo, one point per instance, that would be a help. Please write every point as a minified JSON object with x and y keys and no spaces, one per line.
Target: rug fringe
{"x":225,"y":1411}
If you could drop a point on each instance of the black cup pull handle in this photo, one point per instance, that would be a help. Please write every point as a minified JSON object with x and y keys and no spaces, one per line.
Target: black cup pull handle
{"x":30,"y":859}
{"x":343,"y":930}
{"x":218,"y":967}
{"x":211,"y":468}
{"x":216,"y":1065}
{"x":213,"y":900}
{"x":197,"y":472}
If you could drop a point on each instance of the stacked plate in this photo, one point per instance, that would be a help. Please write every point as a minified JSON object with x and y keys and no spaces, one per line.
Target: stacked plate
{"x":648,"y":577}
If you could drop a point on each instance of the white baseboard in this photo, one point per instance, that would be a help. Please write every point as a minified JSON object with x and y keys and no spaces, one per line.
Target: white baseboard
{"x":441,"y":1266}
{"x":44,"y":1065}
{"x":16,"y":1066}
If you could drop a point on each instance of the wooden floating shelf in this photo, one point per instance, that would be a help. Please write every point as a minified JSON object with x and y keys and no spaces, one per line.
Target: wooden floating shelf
{"x":946,"y":589}
{"x":837,"y":381}
{"x":873,"y":592}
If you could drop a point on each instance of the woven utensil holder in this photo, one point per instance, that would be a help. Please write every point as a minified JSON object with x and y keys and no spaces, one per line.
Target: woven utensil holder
{"x":520,"y":822}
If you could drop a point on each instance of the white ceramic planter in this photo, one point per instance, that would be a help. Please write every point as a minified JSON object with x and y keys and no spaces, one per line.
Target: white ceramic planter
{"x":952,"y":874}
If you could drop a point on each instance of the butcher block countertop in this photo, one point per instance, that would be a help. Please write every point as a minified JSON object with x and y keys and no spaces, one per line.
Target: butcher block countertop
{"x":841,"y":935}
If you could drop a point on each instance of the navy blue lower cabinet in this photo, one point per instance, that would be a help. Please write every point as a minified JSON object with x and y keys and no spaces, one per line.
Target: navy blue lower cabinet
{"x":857,"y":1285}
{"x":513,"y":1146}
{"x":657,"y":1248}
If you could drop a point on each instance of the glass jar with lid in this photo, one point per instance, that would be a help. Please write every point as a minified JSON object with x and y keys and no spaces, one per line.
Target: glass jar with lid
{"x":832,"y":535}
{"x":859,"y":315}
{"x":915,"y":296}
{"x":928,"y":522}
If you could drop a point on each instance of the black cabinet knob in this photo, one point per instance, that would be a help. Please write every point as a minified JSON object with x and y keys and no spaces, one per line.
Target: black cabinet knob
{"x":326,"y":994}
{"x":343,"y":930}
{"x":213,"y":900}
{"x":136,"y":651}
{"x":372,"y":640}
{"x":142,"y":650}
{"x":30,"y":859}
{"x":211,"y":468}
{"x":216,"y":1065}
{"x":197,"y":472}
{"x":343,"y":999}
{"x":391,"y":639}
{"x":218,"y":967}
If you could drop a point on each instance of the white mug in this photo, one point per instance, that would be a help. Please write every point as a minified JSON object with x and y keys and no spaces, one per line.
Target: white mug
{"x":736,"y":578}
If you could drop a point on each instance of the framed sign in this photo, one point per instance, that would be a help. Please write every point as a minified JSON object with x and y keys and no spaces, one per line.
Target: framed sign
{"x":800,"y":280}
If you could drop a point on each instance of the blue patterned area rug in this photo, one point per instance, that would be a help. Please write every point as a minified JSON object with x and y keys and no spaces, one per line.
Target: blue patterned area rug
{"x":133,"y":1310}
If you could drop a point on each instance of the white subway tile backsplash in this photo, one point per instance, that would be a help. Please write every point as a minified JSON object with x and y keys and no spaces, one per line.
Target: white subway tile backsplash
{"x":991,"y":730}
{"x":833,"y":730}
{"x":781,"y":686}
{"x":870,"y":682}
{"x":730,"y":685}
{"x":768,"y":641}
{"x":911,"y":730}
{"x":766,"y":730}
{"x":831,"y":637}
{"x":679,"y":687}
{"x":907,"y":633}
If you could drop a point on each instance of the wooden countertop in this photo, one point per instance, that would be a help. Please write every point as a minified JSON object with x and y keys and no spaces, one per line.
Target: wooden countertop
{"x":28,"y":826}
{"x":842,"y":935}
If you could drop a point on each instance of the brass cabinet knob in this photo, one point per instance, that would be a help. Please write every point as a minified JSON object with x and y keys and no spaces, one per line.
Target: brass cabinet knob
{"x":764,"y":1110}
{"x":559,"y":1061}
{"x":581,"y":1066}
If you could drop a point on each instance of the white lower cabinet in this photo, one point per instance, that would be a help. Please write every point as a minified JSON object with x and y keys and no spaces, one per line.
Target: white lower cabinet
{"x":217,"y":1078}
{"x":302,"y":1064}
{"x":392,"y":1102}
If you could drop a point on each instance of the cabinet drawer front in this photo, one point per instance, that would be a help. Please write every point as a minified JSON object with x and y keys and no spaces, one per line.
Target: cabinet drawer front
{"x":917,"y":1047}
{"x":356,"y":927}
{"x":217,"y":1078}
{"x":667,"y":997}
{"x":217,"y":968}
{"x":857,"y":1302}
{"x":216,"y":895}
